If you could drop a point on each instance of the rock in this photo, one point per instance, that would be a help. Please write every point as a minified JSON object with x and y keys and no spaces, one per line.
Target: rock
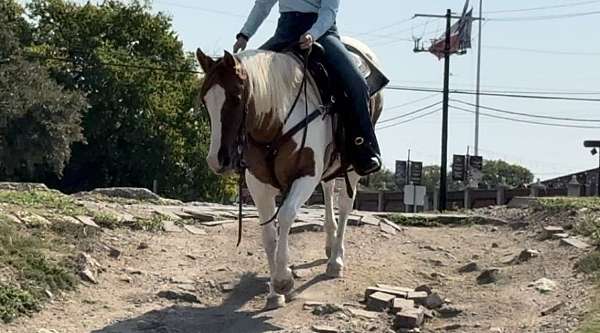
{"x":43,"y":330}
{"x":69,"y":219}
{"x":418,"y":297}
{"x":327,"y":309}
{"x":553,"y":309}
{"x":451,"y":327}
{"x":22,"y":187}
{"x":543,"y":285}
{"x":15,"y":219}
{"x":218,"y":223}
{"x":370,"y":220}
{"x":470,"y":267}
{"x":362,"y":313}
{"x":195,"y":230}
{"x":525,"y":256}
{"x":495,"y":245}
{"x":400,"y":304}
{"x":397,"y":292}
{"x":35,"y":220}
{"x":433,"y":301}
{"x":324,"y":329}
{"x":391,"y":224}
{"x":301,"y":273}
{"x":387,"y":229}
{"x":424,"y":288}
{"x":409,"y":318}
{"x":313,"y":304}
{"x":575,"y":243}
{"x":448,"y":311}
{"x":228,"y":286}
{"x":560,"y":235}
{"x":143,"y":246}
{"x":489,"y":276}
{"x":127,"y":193}
{"x":200,"y":214}
{"x":170,"y":226}
{"x":379,"y":301}
{"x":178,"y":296}
{"x":133,"y":271}
{"x":87,"y":221}
{"x":48,"y":293}
{"x":550,"y":230}
{"x":305,"y":227}
{"x":87,"y":275}
{"x":127,"y":279}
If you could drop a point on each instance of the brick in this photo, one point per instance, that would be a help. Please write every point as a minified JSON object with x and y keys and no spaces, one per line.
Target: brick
{"x":409,"y":319}
{"x":397,"y":292}
{"x":417,"y":296}
{"x":401,"y":304}
{"x":379,"y":301}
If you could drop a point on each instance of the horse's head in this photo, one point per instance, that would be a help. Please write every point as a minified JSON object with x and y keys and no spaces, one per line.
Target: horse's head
{"x":225,"y":96}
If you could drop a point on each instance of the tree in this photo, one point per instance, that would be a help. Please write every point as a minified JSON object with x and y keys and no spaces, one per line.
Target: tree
{"x":143,"y":123}
{"x":497,"y":172}
{"x":39,"y":120}
{"x":384,"y":179}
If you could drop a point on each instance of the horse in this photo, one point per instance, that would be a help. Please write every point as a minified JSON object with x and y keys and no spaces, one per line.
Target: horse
{"x":253,"y":100}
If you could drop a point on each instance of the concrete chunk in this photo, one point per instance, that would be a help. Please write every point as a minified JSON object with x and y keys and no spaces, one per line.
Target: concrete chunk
{"x":87,"y":221}
{"x":575,"y":243}
{"x":401,"y":304}
{"x":418,"y":296}
{"x":362,"y":313}
{"x":379,"y":301}
{"x":409,"y":318}
{"x":397,"y":292}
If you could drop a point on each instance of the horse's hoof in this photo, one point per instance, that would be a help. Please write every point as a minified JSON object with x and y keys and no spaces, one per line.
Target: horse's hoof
{"x":275,"y":302}
{"x":334,"y":271}
{"x":283,"y":287}
{"x":328,"y":251}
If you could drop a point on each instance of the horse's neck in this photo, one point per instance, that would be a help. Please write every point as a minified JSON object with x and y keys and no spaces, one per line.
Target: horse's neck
{"x":274,"y":81}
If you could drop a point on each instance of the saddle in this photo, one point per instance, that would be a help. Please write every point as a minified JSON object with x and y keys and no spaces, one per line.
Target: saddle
{"x":334,"y":97}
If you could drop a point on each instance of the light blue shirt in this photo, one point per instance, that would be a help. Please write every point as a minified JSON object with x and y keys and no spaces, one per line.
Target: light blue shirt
{"x":326,"y":9}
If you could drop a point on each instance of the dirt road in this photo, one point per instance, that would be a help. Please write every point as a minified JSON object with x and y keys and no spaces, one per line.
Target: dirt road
{"x":178,"y":282}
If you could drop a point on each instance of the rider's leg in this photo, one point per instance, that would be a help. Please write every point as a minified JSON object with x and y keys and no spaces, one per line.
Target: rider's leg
{"x":364,"y":146}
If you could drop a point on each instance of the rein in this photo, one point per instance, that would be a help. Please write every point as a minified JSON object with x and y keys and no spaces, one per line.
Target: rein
{"x":273,"y":148}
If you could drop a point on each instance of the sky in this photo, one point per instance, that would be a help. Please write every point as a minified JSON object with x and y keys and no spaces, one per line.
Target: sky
{"x":530,"y":54}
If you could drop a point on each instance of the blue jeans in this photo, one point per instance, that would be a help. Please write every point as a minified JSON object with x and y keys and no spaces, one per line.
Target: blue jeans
{"x":339,"y":62}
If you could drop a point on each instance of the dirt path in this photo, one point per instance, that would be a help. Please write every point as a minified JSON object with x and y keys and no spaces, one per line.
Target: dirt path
{"x":134,"y":294}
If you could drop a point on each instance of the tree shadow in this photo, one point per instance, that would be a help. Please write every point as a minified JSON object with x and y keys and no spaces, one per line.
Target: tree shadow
{"x":225,"y":318}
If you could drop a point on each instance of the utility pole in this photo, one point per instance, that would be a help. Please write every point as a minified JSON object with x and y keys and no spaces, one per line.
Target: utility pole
{"x":478,"y":88}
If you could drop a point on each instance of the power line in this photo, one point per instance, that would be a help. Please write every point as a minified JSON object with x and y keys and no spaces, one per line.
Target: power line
{"x":525,"y":121}
{"x":493,"y":94}
{"x":411,"y":102}
{"x":385,"y":27}
{"x":556,"y":52}
{"x":542,"y":18}
{"x":410,"y":113}
{"x":202,"y":9}
{"x":409,"y":120}
{"x":574,"y":4}
{"x":527,"y":114}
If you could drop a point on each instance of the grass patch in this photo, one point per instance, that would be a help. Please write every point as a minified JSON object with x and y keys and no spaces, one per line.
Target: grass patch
{"x":432,"y":221}
{"x":43,"y":200}
{"x":589,"y":264}
{"x":563,"y":204}
{"x":32,"y":265}
{"x":591,"y":322}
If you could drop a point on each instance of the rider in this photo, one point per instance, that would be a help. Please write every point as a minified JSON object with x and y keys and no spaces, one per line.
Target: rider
{"x":307,"y":21}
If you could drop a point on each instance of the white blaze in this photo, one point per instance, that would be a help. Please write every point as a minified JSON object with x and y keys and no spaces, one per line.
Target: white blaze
{"x":214,"y":100}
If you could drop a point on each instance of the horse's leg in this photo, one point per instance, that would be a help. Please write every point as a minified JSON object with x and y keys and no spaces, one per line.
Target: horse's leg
{"x":299,"y":193}
{"x":264,"y":198}
{"x":335,"y":266}
{"x":330,"y":223}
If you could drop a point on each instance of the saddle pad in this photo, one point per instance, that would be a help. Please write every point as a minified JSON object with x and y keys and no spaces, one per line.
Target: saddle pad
{"x":376,"y":80}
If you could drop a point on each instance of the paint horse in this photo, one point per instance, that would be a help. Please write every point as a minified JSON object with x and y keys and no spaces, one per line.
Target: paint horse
{"x":253,"y":100}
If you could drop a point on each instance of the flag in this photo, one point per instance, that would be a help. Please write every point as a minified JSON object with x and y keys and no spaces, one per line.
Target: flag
{"x":460,"y":35}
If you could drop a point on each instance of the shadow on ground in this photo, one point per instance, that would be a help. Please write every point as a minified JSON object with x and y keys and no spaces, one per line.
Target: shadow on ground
{"x":225,"y":318}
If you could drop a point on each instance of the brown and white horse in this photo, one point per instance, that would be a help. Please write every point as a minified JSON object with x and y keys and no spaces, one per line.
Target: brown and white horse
{"x":251,"y":94}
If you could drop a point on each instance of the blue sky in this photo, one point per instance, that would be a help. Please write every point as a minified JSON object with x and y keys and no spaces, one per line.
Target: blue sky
{"x":547,"y":151}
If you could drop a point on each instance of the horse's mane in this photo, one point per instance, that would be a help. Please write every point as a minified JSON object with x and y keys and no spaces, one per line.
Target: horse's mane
{"x":274,"y":81}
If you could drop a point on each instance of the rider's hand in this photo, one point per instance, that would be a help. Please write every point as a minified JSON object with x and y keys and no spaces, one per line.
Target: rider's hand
{"x":306,"y":41}
{"x":240,"y":44}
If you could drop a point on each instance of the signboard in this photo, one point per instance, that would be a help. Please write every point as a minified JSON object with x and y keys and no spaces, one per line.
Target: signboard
{"x":475,"y":174}
{"x":414,"y":195}
{"x":401,"y":170}
{"x":416,"y":172}
{"x":459,"y":166}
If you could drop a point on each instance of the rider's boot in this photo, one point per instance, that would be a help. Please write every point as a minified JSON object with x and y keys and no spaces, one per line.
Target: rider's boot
{"x":365,"y":155}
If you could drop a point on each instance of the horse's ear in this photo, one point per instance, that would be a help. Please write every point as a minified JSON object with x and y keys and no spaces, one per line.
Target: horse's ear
{"x":229,"y":60}
{"x":206,"y":62}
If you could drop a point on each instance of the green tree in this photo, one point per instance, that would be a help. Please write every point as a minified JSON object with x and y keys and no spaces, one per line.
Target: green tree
{"x":496,"y":172}
{"x":383,"y":179}
{"x":143,"y":123}
{"x":39,"y":120}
